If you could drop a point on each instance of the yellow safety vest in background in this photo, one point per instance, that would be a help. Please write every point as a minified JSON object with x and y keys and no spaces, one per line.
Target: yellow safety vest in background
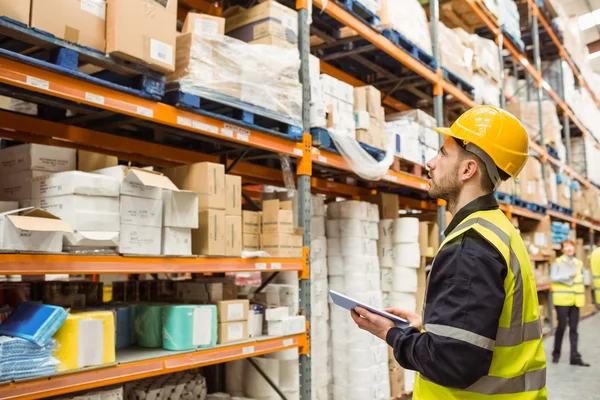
{"x":564,"y":295}
{"x":595,"y":264}
{"x":518,"y":369}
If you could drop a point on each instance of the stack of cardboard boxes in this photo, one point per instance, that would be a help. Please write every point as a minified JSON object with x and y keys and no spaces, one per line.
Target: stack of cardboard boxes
{"x":537,"y":236}
{"x":251,"y":229}
{"x":532,"y":187}
{"x":338,"y":99}
{"x":369,"y":117}
{"x":415,"y":139}
{"x":279,"y":237}
{"x":233,"y":320}
{"x":219,"y":230}
{"x":141,"y":31}
{"x":527,"y":113}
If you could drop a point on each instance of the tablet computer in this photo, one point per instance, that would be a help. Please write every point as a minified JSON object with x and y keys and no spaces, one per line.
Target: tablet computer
{"x":350,"y":304}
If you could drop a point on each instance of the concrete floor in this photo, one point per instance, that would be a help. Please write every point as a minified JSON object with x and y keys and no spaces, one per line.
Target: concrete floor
{"x":567,"y":382}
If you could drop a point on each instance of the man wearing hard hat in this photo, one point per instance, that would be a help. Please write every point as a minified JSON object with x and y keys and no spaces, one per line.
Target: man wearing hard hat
{"x":480,"y":336}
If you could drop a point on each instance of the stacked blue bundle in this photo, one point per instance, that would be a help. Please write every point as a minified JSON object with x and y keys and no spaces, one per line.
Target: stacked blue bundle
{"x":510,"y":21}
{"x":560,"y":231}
{"x":20,"y":359}
{"x":34,"y":322}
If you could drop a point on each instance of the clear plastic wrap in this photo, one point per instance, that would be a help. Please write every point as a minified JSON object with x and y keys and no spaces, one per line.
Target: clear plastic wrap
{"x":485,"y":55}
{"x":408,"y":18}
{"x":229,"y":71}
{"x":361,"y":162}
{"x":455,"y":56}
{"x":20,"y":359}
{"x":486,"y":90}
{"x":527,"y":113}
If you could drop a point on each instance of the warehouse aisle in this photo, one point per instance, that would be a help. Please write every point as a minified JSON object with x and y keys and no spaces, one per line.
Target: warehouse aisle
{"x":567,"y":382}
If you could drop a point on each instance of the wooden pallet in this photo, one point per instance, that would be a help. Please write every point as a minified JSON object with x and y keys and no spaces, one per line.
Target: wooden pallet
{"x":402,"y":165}
{"x":458,"y":14}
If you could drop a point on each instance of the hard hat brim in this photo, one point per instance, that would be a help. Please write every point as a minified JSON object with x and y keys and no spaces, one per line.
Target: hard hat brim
{"x":447,"y":132}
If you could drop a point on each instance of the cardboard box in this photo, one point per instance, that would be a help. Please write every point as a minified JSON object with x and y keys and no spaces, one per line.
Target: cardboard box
{"x":142,"y":31}
{"x":8,"y":206}
{"x":232,"y":332}
{"x":368,"y":98}
{"x":77,"y":21}
{"x":74,"y":182}
{"x":17,"y":10}
{"x":233,"y":195}
{"x":282,"y":244}
{"x":250,"y":242}
{"x":176,"y":241}
{"x":277,"y":217}
{"x":242,"y":24}
{"x":140,"y":240}
{"x":180,"y":209}
{"x":207,"y":179}
{"x":91,"y":239}
{"x":36,"y":157}
{"x":88,"y":161}
{"x":275,"y":41}
{"x":233,"y":235}
{"x":233,"y":310}
{"x":141,"y":212}
{"x":209,"y":238}
{"x":139,"y":182}
{"x":251,"y":222}
{"x":18,"y":185}
{"x":276,"y":313}
{"x":203,"y":24}
{"x":205,"y":292}
{"x":83,"y":213}
{"x":387,"y":203}
{"x":287,"y":326}
{"x":36,"y":230}
{"x":296,"y":242}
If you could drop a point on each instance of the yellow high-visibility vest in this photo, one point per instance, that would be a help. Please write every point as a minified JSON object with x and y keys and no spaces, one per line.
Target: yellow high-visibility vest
{"x":518,"y":368}
{"x":595,"y":264}
{"x":564,"y":295}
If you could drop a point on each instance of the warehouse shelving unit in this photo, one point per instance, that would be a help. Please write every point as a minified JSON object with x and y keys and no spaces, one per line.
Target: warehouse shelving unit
{"x":163,"y":135}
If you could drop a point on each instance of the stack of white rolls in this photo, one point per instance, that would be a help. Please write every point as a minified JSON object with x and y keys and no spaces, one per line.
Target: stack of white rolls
{"x":359,"y":359}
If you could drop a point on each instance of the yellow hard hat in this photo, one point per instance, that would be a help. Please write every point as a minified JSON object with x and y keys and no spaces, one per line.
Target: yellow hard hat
{"x":495,"y":132}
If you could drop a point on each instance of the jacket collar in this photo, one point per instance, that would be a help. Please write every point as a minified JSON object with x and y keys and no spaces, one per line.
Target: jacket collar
{"x":483,"y":203}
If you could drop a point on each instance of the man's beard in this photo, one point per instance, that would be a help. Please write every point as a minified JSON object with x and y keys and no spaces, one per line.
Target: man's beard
{"x":447,"y":189}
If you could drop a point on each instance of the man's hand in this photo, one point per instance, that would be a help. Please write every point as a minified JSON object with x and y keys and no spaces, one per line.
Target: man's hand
{"x":414,"y":319}
{"x":372,"y":323}
{"x":574,"y":275}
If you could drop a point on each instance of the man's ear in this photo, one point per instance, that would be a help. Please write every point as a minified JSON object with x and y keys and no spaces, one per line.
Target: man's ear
{"x":468,"y":169}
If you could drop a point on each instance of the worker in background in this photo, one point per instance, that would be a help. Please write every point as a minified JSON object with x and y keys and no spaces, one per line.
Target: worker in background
{"x":480,"y":335}
{"x":568,"y":296}
{"x":595,"y":264}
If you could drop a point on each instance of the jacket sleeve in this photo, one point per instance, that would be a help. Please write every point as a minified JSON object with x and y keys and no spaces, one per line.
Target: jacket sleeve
{"x":560,"y":275}
{"x":465,"y":298}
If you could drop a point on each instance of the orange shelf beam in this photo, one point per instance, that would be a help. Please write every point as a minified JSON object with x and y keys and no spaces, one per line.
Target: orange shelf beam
{"x":61,"y":384}
{"x":37,"y":264}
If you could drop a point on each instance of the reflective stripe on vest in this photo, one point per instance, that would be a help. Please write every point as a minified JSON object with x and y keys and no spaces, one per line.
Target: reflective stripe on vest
{"x":565,"y":295}
{"x":515,"y":369}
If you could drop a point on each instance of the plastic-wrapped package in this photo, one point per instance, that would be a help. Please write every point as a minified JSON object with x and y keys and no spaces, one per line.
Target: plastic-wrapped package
{"x":20,"y":359}
{"x":408,"y":18}
{"x":508,"y":15}
{"x":485,"y":55}
{"x":527,"y":112}
{"x":229,"y":71}
{"x":486,"y":90}
{"x":455,"y":56}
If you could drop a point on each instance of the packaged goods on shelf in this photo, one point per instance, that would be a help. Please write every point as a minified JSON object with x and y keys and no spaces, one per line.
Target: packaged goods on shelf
{"x":233,"y":235}
{"x":318,"y":111}
{"x":142,"y":31}
{"x":184,"y":385}
{"x":416,"y":141}
{"x":88,"y":161}
{"x":454,"y":55}
{"x":372,"y":5}
{"x":551,"y":71}
{"x":36,"y":230}
{"x":114,"y":393}
{"x":527,"y":113}
{"x":268,"y":22}
{"x":203,"y":24}
{"x":223,"y":69}
{"x":180,"y":209}
{"x":561,"y":231}
{"x":563,"y":189}
{"x":86,"y":339}
{"x":36,"y":157}
{"x":532,"y":187}
{"x":537,"y":236}
{"x":251,"y":222}
{"x":17,"y":10}
{"x":187,"y":327}
{"x":22,"y":359}
{"x":279,"y":295}
{"x":233,"y":195}
{"x":209,"y":238}
{"x":485,"y":54}
{"x":369,"y":117}
{"x":70,"y":20}
{"x":207,"y":179}
{"x":338,"y":99}
{"x":42,"y":322}
{"x":205,"y":291}
{"x":486,"y":90}
{"x":408,"y":18}
{"x":509,"y":18}
{"x":584,"y":158}
{"x":176,"y":241}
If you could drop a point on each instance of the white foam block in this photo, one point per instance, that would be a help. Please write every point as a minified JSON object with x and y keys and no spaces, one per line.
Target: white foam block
{"x":404,"y":280}
{"x":406,"y":230}
{"x":362,"y":264}
{"x":407,"y":255}
{"x":404,"y":301}
{"x":372,"y":212}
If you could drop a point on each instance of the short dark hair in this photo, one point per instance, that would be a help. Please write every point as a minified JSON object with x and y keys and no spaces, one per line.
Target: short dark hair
{"x":486,"y":182}
{"x":568,"y":241}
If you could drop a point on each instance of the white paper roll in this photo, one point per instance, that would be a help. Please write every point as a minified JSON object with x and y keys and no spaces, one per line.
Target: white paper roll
{"x":254,"y":385}
{"x":361,"y":375}
{"x":360,"y":263}
{"x":386,"y":232}
{"x":319,"y":330}
{"x":317,"y":205}
{"x":404,"y":280}
{"x":338,"y":315}
{"x":288,"y":354}
{"x":318,"y":249}
{"x":373,"y":230}
{"x":317,"y":227}
{"x":340,"y":391}
{"x":335,"y":266}
{"x":318,"y":288}
{"x":334,"y":247}
{"x":289,"y":370}
{"x":386,"y":256}
{"x":407,"y":255}
{"x":403,"y":301}
{"x":371,"y":298}
{"x":319,"y":392}
{"x":386,"y":279}
{"x":354,"y":228}
{"x":372,"y":212}
{"x":406,"y":230}
{"x":352,"y":209}
{"x":333,"y":228}
{"x":352,"y":246}
{"x":334,"y":210}
{"x":385,"y":299}
{"x":318,"y":268}
{"x":235,"y":372}
{"x":336,"y":283}
{"x":365,"y":392}
{"x":361,"y":282}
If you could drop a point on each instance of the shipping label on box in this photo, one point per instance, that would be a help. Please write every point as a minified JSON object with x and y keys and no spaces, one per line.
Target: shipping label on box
{"x":233,"y":310}
{"x":206,"y":179}
{"x":209,"y":238}
{"x":37,"y":230}
{"x":233,"y":235}
{"x":140,"y":211}
{"x":233,"y":331}
{"x":180,"y":209}
{"x":176,"y":241}
{"x":37,"y":157}
{"x":140,"y":240}
{"x":233,"y":195}
{"x":362,"y":120}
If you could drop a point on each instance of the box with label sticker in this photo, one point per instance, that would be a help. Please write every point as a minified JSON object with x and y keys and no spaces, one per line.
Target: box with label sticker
{"x":233,"y":310}
{"x":77,"y":21}
{"x":203,"y":24}
{"x":232,"y":331}
{"x":143,"y":31}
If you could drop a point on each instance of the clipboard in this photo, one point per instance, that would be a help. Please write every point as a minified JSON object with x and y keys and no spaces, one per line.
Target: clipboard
{"x":350,"y":304}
